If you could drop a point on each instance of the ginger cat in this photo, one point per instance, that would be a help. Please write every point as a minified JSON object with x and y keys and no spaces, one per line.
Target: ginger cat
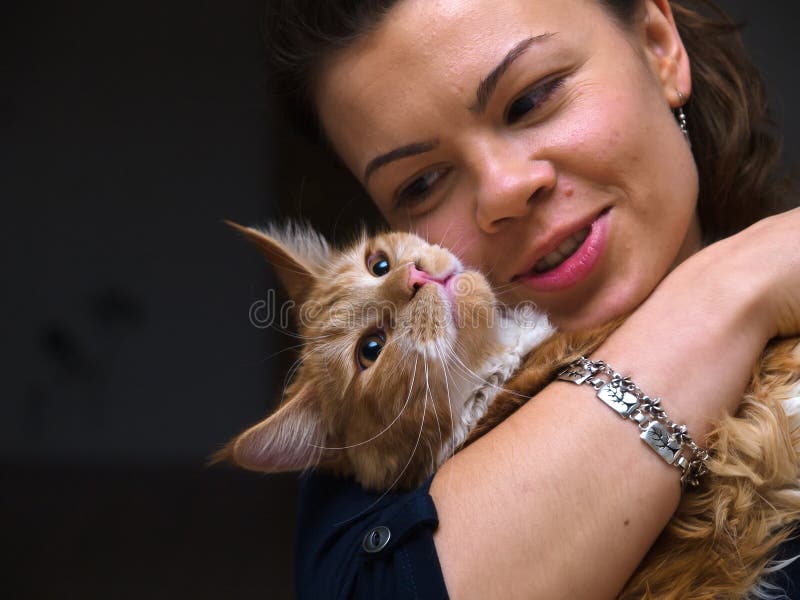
{"x":407,"y":356}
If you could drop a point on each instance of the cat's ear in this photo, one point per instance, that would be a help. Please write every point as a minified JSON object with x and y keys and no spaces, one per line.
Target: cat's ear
{"x":298,"y":254}
{"x":291,"y":439}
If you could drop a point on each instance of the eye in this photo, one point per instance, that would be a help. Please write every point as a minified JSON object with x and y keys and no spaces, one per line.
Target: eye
{"x":378,"y":264}
{"x":532,"y":99}
{"x":420,"y":187}
{"x":369,"y":348}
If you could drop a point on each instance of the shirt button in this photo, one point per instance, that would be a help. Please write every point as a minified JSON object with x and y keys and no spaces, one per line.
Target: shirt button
{"x":376,"y":539}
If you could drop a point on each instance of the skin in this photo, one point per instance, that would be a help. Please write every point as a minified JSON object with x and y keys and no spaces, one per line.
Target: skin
{"x":501,"y":187}
{"x":581,"y":504}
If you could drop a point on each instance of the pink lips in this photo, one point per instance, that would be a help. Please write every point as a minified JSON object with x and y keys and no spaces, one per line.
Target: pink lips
{"x":576,"y":267}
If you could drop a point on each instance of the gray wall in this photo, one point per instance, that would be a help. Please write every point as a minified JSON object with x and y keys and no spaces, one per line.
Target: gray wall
{"x":129,"y":133}
{"x":771,"y":35}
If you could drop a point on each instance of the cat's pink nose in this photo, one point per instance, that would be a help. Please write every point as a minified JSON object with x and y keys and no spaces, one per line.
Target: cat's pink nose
{"x":417,"y":278}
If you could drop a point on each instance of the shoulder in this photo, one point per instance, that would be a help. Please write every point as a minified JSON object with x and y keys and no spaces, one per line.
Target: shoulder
{"x":357,"y":544}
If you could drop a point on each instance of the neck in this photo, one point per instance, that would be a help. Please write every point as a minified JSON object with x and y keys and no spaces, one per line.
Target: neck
{"x":692,"y":243}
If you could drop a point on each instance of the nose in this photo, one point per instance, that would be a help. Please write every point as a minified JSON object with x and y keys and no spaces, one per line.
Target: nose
{"x":508,"y":186}
{"x":418,"y":277}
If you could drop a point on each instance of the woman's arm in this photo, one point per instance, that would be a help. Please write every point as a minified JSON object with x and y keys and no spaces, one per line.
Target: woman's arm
{"x":563,"y":500}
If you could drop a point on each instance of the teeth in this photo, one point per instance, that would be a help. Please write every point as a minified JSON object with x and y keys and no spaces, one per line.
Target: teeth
{"x":563,"y":252}
{"x":568,"y":246}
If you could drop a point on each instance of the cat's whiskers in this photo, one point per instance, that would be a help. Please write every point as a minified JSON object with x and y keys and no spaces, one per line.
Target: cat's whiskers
{"x":298,"y":336}
{"x":407,"y":263}
{"x":287,"y":380}
{"x":261,"y":361}
{"x":290,"y":374}
{"x":446,"y":231}
{"x":478,"y":379}
{"x":453,"y":246}
{"x":515,"y":283}
{"x":482,"y":380}
{"x":387,"y":428}
{"x":488,"y":273}
{"x":460,"y":363}
{"x":422,"y":423}
{"x":500,"y":289}
{"x":427,"y":393}
{"x":447,"y":390}
{"x":396,"y":338}
{"x":410,"y":458}
{"x":294,"y":271}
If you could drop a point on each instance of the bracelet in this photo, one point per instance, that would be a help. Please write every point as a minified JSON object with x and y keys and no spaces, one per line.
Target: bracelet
{"x":670,"y":441}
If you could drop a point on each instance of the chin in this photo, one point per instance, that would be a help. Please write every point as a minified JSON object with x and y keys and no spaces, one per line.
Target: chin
{"x":600,"y":310}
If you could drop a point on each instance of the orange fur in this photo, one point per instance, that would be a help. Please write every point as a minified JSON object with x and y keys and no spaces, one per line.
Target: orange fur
{"x":725,"y":532}
{"x":388,"y":425}
{"x":370,"y":424}
{"x":540,"y":368}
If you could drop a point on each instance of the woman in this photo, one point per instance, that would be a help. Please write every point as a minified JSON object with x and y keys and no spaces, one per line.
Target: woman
{"x":501,"y":130}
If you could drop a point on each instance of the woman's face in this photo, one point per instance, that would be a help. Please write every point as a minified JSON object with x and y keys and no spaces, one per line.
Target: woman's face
{"x":534,"y":138}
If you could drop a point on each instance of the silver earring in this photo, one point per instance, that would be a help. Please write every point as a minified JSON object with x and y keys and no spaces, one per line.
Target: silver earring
{"x":680,"y":115}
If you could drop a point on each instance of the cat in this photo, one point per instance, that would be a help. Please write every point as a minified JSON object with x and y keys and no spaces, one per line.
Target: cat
{"x":408,"y":356}
{"x":403,"y":349}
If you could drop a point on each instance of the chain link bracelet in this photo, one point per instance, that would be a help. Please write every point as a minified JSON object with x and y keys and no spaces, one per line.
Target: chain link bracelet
{"x":670,"y":441}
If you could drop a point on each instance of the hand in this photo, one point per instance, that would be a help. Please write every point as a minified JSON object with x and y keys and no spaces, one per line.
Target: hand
{"x":696,"y":338}
{"x":760,"y":264}
{"x":693,"y":343}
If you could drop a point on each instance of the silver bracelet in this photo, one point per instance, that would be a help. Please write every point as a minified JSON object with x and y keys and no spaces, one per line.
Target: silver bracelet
{"x":670,"y":441}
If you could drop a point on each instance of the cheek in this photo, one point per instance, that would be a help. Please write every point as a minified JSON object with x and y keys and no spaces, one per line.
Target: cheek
{"x":599,"y":137}
{"x":630,"y":145}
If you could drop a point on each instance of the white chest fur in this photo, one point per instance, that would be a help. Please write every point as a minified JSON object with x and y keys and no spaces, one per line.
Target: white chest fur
{"x":518,"y":335}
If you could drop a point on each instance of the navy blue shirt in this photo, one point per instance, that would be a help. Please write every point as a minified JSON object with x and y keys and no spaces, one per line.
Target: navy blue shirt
{"x":364,"y":545}
{"x":357,"y":544}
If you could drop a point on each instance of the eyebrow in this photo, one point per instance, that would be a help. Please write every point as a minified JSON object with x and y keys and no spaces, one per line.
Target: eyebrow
{"x":398,"y":153}
{"x":488,"y":84}
{"x":483,"y":94}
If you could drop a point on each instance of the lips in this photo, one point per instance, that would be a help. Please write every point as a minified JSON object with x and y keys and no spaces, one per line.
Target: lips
{"x":565,"y":249}
{"x":567,"y":256}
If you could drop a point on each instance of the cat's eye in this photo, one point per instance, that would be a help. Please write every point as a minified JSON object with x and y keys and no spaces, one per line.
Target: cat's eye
{"x":369,"y":348}
{"x":378,"y":264}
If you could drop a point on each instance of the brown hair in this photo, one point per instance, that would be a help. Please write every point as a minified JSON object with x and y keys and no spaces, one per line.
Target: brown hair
{"x":734,"y":142}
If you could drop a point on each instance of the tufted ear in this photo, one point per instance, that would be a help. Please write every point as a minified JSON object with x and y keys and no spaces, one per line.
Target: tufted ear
{"x":291,"y":439}
{"x":298,"y":254}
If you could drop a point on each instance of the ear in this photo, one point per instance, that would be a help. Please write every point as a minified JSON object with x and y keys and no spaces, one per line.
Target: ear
{"x":296,"y":253}
{"x":289,"y":440}
{"x":666,"y":53}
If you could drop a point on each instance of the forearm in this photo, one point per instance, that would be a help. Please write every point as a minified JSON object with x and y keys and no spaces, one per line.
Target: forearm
{"x":563,"y":500}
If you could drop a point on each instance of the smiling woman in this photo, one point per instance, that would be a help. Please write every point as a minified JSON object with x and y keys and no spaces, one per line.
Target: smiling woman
{"x":537,"y":136}
{"x":545,"y":143}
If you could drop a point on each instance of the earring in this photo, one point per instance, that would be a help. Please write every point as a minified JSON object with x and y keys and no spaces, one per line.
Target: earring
{"x":680,"y":115}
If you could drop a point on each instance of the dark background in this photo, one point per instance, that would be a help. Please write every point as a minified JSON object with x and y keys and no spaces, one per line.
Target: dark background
{"x":127,"y":133}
